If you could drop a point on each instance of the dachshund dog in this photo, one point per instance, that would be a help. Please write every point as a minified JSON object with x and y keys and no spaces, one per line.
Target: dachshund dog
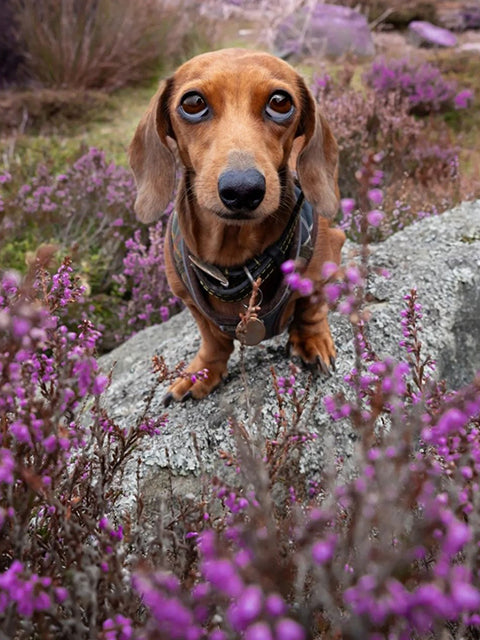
{"x":236,"y":121}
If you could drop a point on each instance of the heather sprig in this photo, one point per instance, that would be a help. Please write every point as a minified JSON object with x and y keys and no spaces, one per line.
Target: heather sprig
{"x":423,"y":85}
{"x":61,"y":461}
{"x":415,"y":159}
{"x":387,"y":552}
{"x":92,"y":202}
{"x":421,"y":368}
{"x":385,"y":556}
{"x":143,"y":282}
{"x":87,"y":213}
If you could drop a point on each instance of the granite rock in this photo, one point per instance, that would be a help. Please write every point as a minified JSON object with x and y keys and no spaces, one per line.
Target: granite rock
{"x":426,"y":34}
{"x":439,"y":256}
{"x":324,"y":30}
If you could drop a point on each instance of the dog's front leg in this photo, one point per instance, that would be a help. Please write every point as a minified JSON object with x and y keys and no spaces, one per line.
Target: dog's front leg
{"x":212,"y":356}
{"x":310,"y":336}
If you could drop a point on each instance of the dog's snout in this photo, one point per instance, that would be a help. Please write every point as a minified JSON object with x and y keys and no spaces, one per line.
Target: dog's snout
{"x":241,"y":189}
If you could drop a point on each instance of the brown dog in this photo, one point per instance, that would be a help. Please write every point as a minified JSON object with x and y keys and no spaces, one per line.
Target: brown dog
{"x":236,"y":119}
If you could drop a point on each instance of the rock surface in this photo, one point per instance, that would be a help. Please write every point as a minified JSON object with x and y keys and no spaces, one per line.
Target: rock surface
{"x":424,"y":33}
{"x":457,"y":15}
{"x":439,"y":256}
{"x":324,"y":30}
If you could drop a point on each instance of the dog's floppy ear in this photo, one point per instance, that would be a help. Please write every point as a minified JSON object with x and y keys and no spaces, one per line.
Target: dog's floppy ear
{"x":152,"y":162}
{"x":317,"y":162}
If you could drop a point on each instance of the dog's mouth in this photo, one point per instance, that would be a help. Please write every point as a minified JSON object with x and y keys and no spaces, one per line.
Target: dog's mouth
{"x":237,"y":216}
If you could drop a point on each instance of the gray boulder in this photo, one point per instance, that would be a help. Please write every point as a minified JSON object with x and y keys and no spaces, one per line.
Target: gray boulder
{"x":426,"y":34}
{"x":320,"y":29}
{"x":459,"y":15}
{"x":439,"y":256}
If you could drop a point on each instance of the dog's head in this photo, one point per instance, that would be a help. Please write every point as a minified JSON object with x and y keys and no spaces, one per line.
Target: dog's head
{"x":234,"y":116}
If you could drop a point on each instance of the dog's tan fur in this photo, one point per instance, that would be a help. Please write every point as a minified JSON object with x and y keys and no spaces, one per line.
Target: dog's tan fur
{"x":237,"y":85}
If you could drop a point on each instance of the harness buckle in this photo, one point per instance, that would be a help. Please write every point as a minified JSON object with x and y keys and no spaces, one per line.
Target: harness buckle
{"x":209,"y":269}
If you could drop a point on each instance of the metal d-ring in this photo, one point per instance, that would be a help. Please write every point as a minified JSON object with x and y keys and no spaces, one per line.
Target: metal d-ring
{"x":252,"y":282}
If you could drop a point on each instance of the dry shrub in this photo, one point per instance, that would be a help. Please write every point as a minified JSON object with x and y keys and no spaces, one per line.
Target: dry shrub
{"x":10,"y":54}
{"x":94,"y":43}
{"x":22,"y":109}
{"x":418,"y":157}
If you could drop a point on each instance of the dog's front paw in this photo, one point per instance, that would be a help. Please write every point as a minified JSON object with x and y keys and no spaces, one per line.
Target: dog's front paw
{"x":317,"y":351}
{"x":194,"y":385}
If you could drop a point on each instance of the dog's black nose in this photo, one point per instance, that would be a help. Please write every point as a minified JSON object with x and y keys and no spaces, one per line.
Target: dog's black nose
{"x":241,"y":189}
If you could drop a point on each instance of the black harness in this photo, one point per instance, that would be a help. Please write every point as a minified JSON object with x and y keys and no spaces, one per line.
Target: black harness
{"x":233,"y":284}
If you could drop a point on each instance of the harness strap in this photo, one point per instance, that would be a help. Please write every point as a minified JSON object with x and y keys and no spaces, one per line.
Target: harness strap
{"x":238,"y":284}
{"x":296,"y":241}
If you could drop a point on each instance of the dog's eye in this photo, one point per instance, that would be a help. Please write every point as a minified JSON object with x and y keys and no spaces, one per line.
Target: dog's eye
{"x":280,"y":106}
{"x":193,"y":107}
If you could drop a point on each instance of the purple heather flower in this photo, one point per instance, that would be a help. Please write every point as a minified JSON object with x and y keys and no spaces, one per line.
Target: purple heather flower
{"x":375,"y":217}
{"x":200,"y":591}
{"x":21,"y":432}
{"x":462,"y":100}
{"x":61,"y":594}
{"x":259,"y":631}
{"x":322,"y":551}
{"x":375,"y":196}
{"x":7,"y":465}
{"x":329,"y":269}
{"x":42,"y":601}
{"x":223,"y":575}
{"x":191,"y":534}
{"x":164,"y":313}
{"x":450,"y":421}
{"x":332,"y":292}
{"x":323,"y":81}
{"x":21,"y":326}
{"x":352,"y":274}
{"x":50,"y":443}
{"x":305,"y":287}
{"x":377,"y":178}
{"x":118,"y":628}
{"x":246,"y":608}
{"x":466,"y":596}
{"x":243,"y":558}
{"x":275,"y":605}
{"x":287,"y":629}
{"x":288,"y":267}
{"x":293,"y":280}
{"x":206,"y":544}
{"x":347,"y":205}
{"x":100,"y":383}
{"x":457,"y":536}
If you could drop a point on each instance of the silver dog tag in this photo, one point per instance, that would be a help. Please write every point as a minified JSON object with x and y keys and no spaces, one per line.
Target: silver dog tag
{"x":251,"y":332}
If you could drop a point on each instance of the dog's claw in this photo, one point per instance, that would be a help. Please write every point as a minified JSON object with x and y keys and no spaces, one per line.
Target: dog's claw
{"x":167,"y":400}
{"x":333,"y":363}
{"x":186,"y":396}
{"x":321,"y":366}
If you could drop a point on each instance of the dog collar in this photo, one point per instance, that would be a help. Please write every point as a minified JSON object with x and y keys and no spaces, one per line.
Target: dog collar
{"x":234,"y":284}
